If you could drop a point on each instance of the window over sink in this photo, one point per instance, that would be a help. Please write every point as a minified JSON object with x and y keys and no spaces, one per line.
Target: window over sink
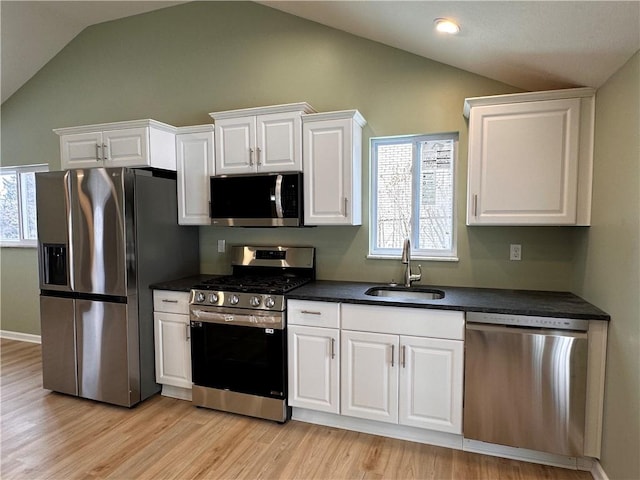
{"x":412,"y":195}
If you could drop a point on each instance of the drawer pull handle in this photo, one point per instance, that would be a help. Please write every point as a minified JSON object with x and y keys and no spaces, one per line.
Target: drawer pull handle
{"x":310,"y":312}
{"x":169,"y":301}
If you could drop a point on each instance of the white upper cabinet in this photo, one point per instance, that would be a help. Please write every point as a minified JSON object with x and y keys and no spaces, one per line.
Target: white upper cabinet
{"x":195,"y":165}
{"x":530,"y":158}
{"x":259,"y":140}
{"x":139,"y":143}
{"x":332,"y":165}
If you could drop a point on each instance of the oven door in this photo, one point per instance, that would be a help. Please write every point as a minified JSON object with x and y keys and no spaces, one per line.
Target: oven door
{"x":239,"y":350}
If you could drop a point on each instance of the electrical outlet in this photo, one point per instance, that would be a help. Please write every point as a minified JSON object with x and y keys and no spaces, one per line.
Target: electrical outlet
{"x":515,"y":252}
{"x":222,"y":246}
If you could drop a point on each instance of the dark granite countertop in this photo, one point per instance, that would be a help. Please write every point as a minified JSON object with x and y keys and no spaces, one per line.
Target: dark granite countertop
{"x":492,"y":300}
{"x":182,"y":284}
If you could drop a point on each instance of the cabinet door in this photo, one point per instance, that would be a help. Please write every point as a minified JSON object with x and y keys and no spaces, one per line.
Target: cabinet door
{"x":279,"y":142}
{"x":195,"y":165}
{"x":126,"y":148}
{"x":431,"y":383}
{"x":173,"y":349}
{"x":523,"y":163}
{"x":328,"y":166}
{"x":313,"y":368}
{"x":235,"y":145}
{"x":369,"y":372}
{"x":81,"y":150}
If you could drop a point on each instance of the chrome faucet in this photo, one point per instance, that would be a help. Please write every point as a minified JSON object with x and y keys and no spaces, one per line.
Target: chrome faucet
{"x":406,"y":260}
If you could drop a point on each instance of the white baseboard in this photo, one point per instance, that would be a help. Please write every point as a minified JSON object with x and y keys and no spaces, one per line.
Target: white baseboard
{"x":597,"y":471}
{"x":23,"y":337}
{"x":521,"y":454}
{"x":448,"y":440}
{"x":401,"y":432}
{"x":176,"y":392}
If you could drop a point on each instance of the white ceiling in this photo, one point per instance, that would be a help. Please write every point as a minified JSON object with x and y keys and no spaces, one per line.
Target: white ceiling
{"x":534,"y":45}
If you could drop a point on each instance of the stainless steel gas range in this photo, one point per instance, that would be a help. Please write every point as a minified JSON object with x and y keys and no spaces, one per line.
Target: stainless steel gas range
{"x":238,"y":331}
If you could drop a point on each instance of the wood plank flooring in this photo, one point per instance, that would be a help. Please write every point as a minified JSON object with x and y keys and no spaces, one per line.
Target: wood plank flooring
{"x":47,"y":435}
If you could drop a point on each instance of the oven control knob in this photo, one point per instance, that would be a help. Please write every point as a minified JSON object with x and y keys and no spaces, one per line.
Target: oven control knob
{"x":200,"y":297}
{"x":233,"y":299}
{"x":269,"y":302}
{"x":255,"y":301}
{"x":213,"y":298}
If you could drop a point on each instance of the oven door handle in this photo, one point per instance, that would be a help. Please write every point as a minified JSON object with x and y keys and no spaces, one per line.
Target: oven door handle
{"x":256,"y":320}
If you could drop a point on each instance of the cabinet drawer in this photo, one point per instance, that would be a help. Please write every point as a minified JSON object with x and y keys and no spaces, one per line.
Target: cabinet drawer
{"x":420,"y":322}
{"x":171,"y":302}
{"x":313,"y":314}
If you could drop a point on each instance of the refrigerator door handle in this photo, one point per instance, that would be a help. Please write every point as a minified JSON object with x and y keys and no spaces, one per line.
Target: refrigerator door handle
{"x":68,"y":202}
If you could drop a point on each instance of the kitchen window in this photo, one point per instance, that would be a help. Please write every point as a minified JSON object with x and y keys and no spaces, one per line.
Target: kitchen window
{"x":18,"y":205}
{"x":412,"y":195}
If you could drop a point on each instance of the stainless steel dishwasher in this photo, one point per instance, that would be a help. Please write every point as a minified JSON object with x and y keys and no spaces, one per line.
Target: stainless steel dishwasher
{"x":526,"y":381}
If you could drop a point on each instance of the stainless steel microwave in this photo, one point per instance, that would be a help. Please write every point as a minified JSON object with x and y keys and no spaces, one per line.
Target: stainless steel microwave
{"x":260,"y":200}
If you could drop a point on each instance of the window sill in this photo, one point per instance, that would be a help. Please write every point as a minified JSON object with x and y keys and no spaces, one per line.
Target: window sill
{"x":398,"y":258}
{"x":18,"y":245}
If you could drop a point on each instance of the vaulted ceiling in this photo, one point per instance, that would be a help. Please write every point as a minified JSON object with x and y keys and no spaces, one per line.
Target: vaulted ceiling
{"x":533,"y":45}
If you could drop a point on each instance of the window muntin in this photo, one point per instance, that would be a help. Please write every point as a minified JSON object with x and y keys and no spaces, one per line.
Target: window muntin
{"x":412,"y":195}
{"x":18,"y":206}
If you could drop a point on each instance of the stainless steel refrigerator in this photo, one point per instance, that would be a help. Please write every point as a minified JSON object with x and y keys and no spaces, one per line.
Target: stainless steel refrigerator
{"x":105,"y":235}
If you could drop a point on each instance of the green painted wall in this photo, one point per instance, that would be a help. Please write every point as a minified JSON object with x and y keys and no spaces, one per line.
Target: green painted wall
{"x":178,"y":64}
{"x":608,"y":263}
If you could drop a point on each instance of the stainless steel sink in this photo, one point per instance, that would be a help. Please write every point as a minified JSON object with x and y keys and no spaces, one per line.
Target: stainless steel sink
{"x":405,"y":293}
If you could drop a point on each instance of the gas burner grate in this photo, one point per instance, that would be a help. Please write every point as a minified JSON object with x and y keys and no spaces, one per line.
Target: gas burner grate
{"x":256,"y":283}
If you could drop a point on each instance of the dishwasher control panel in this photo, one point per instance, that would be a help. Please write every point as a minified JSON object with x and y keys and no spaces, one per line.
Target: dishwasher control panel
{"x":528,"y":321}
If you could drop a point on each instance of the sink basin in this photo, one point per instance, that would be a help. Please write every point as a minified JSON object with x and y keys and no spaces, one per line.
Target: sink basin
{"x":405,"y":293}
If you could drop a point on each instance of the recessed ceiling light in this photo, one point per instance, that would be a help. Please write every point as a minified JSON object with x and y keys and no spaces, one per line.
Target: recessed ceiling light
{"x":445,"y":25}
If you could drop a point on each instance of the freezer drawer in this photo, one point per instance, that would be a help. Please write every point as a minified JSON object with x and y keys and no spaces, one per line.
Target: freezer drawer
{"x":526,"y":388}
{"x":58,"y":337}
{"x":108,"y":366}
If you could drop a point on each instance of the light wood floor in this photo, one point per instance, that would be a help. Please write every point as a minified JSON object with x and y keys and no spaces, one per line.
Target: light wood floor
{"x":49,"y":435}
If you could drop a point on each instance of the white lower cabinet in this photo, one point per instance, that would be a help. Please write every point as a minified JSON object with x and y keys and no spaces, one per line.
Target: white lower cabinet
{"x":313,"y":372}
{"x":395,"y":365}
{"x":412,"y":381}
{"x":370,"y":376}
{"x":313,"y":341}
{"x":172,"y":343}
{"x":431,"y":383}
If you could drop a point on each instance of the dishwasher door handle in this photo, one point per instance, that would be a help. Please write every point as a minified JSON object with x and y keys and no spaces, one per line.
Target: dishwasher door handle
{"x":526,"y":330}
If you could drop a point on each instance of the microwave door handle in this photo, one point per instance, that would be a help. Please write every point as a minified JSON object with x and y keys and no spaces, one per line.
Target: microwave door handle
{"x":279,"y":211}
